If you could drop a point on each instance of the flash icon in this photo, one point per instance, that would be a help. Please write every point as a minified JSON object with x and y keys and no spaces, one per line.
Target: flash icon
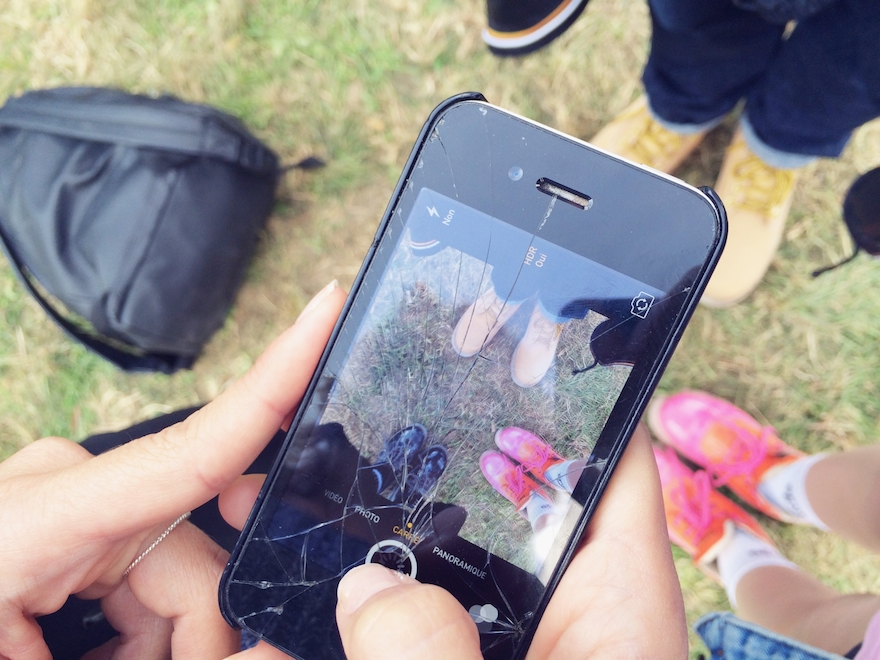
{"x":432,"y":210}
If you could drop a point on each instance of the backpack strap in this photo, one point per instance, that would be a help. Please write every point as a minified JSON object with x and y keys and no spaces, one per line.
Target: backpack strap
{"x":166,"y":123}
{"x":166,"y":363}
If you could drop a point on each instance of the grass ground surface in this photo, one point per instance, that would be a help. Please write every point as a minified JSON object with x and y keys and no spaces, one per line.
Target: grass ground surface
{"x":352,"y":82}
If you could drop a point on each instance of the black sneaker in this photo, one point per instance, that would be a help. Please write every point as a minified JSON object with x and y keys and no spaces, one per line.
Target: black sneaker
{"x":404,"y":447}
{"x":517,"y":27}
{"x":421,"y":481}
{"x":403,"y":453}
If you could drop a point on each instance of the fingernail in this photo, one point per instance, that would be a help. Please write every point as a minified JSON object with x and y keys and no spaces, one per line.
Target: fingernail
{"x":319,"y":297}
{"x":364,"y":582}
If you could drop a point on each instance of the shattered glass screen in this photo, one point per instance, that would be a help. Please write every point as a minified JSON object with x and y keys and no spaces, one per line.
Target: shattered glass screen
{"x":450,"y":427}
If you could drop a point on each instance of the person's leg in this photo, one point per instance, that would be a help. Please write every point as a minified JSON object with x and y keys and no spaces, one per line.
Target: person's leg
{"x":705,"y":56}
{"x":844,"y":491}
{"x":838,"y":491}
{"x":763,"y":586}
{"x":795,"y":604}
{"x":819,"y":87}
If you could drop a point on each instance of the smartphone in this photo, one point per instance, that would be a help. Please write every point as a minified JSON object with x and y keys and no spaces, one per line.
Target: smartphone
{"x":520,"y":300}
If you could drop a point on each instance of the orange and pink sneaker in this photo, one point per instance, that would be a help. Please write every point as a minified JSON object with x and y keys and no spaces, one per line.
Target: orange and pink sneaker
{"x":735,"y":450}
{"x":530,"y":451}
{"x":699,"y":519}
{"x":508,"y":479}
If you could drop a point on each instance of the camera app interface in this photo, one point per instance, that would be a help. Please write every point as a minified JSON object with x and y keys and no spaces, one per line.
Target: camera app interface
{"x":454,"y":419}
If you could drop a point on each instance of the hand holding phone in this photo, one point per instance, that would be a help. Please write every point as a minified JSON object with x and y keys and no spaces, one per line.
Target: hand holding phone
{"x":622,"y":583}
{"x":511,"y":320}
{"x":620,"y":597}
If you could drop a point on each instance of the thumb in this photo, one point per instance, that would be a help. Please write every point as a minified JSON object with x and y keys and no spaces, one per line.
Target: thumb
{"x":385,"y":615}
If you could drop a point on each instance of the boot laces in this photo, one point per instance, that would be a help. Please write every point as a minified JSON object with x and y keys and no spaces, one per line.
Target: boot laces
{"x":543,"y":330}
{"x":515,"y":483}
{"x":691,"y":499}
{"x":495,"y":308}
{"x":653,"y":141}
{"x":535,"y":455}
{"x":761,"y":188}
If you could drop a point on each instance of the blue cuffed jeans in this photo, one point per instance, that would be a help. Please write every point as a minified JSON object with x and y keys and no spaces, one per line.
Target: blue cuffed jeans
{"x":804,"y":95}
{"x":731,"y":638}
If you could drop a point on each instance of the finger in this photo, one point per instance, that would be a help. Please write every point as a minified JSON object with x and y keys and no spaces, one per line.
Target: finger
{"x":261,"y":651}
{"x":633,"y":499}
{"x":631,"y":516}
{"x":42,"y":456}
{"x":621,"y":589}
{"x":21,"y":637}
{"x":178,"y":581}
{"x":237,"y":501}
{"x":377,"y":605}
{"x":103,"y":652}
{"x":142,"y":633}
{"x":157,"y":477}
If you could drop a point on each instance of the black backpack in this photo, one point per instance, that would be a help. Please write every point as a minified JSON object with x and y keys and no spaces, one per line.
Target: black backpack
{"x":139,"y":214}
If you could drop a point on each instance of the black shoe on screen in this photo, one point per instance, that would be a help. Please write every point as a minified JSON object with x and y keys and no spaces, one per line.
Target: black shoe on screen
{"x":403,"y":453}
{"x":423,"y":480}
{"x":404,"y":448}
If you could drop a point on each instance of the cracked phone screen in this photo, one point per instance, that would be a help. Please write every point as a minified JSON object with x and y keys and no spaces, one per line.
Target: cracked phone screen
{"x":464,"y":416}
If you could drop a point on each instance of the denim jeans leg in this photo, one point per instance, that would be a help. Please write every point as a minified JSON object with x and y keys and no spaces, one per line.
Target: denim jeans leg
{"x":731,"y":638}
{"x":823,"y":84}
{"x":705,"y":56}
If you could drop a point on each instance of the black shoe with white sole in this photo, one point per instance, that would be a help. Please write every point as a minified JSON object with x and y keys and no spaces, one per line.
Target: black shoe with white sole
{"x":517,"y":27}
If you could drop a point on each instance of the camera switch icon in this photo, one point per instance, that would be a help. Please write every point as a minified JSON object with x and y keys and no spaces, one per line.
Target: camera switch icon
{"x":641,"y":304}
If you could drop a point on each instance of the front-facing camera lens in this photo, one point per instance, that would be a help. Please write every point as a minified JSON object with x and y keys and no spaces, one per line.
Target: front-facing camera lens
{"x":515,"y":173}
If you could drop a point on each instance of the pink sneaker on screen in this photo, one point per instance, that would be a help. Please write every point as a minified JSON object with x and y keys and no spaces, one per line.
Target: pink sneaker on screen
{"x":508,"y":478}
{"x":530,"y":451}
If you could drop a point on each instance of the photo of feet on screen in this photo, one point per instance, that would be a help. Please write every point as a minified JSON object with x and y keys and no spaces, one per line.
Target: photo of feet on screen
{"x":482,"y":383}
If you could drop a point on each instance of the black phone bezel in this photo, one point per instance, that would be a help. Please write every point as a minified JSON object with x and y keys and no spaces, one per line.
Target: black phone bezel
{"x":610,"y":447}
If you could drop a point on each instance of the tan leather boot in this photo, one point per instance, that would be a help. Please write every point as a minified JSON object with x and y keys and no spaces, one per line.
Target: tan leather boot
{"x":480,"y":323}
{"x":536,"y":350}
{"x":757,"y":198}
{"x":636,"y":136}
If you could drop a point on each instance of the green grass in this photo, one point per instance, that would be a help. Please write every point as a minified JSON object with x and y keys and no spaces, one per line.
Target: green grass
{"x":352,"y":82}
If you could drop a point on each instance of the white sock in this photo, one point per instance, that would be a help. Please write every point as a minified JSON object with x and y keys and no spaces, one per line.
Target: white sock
{"x":786,"y":489}
{"x":744,"y":553}
{"x":557,"y":475}
{"x":537,"y":506}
